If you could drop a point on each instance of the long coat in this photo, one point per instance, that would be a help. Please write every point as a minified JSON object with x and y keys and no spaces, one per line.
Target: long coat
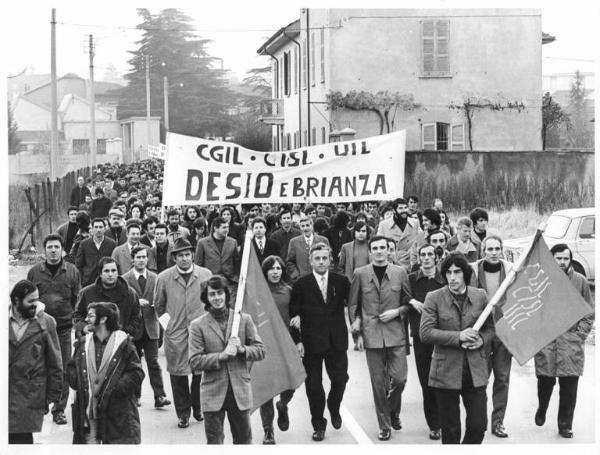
{"x":346,"y":263}
{"x":441,"y":323}
{"x":298,"y":261}
{"x":207,"y":341}
{"x":406,"y":241}
{"x":118,"y":416}
{"x":224,"y":262}
{"x":150,"y":320}
{"x":565,"y":356}
{"x":35,"y":374}
{"x":182,"y":302}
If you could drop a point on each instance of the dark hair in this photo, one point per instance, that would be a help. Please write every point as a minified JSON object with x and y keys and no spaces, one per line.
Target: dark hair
{"x":268,"y":264}
{"x":559,"y":248}
{"x":422,"y":247}
{"x":309,"y":208}
{"x":21,"y":290}
{"x":491,"y":237}
{"x":136,"y":249}
{"x":259,"y":219}
{"x":217,"y":222}
{"x":459,"y":260}
{"x":71,"y":208}
{"x":161,"y":226}
{"x":97,"y":220}
{"x":51,"y":237}
{"x":215,"y":282}
{"x":433,"y":216}
{"x":147,"y":221}
{"x":284,"y":209}
{"x":477,"y":213}
{"x":437,"y":231}
{"x":185,"y":212}
{"x":98,"y":190}
{"x":398,"y":201}
{"x":200,"y":221}
{"x":172,"y":212}
{"x":414,"y":198}
{"x":386,"y":207}
{"x":132,"y":225}
{"x":377,"y":238}
{"x":360,"y":214}
{"x":110,"y":311}
{"x":139,"y":206}
{"x":341,"y":220}
{"x":107,"y":260}
{"x":82,"y":219}
{"x":320,"y":224}
{"x":359,"y":225}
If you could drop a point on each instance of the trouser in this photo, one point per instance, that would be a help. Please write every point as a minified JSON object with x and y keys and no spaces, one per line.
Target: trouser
{"x":566,"y":400}
{"x":150,"y":349}
{"x":388,"y":371}
{"x":267,"y":410}
{"x":64,"y":340}
{"x":423,"y":353}
{"x":336,"y":364}
{"x":239,"y":422}
{"x":20,"y":438}
{"x":92,"y":436}
{"x":499,"y":362}
{"x":185,"y":397}
{"x":475,"y":402}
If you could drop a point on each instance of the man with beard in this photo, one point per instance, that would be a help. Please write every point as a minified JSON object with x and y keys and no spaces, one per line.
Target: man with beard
{"x":489,"y":274}
{"x":438,"y":240}
{"x":176,"y":231}
{"x":109,"y":287}
{"x":564,"y":357}
{"x":425,"y":280}
{"x":375,"y":308}
{"x":58,"y":283}
{"x":116,"y":231}
{"x":34,"y":364}
{"x":105,"y":373}
{"x":226,"y":359}
{"x":404,"y":231}
{"x":285,"y":233}
{"x":69,"y":229}
{"x":177,"y":293}
{"x":91,"y":250}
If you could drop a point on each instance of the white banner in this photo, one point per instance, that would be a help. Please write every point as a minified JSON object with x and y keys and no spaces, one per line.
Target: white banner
{"x":199,"y":171}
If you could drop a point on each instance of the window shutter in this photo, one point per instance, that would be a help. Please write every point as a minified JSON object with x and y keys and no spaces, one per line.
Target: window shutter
{"x":304,"y":69}
{"x":458,"y":136}
{"x":428,"y":40}
{"x":428,"y":136}
{"x":442,"y":30}
{"x":295,"y":63}
{"x":312,"y":58}
{"x":322,"y":44}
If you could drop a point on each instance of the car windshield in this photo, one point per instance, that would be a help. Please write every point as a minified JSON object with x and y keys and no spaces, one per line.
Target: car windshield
{"x":557,"y":226}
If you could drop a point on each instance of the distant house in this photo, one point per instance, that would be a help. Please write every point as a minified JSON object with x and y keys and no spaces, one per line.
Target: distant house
{"x":440,"y":57}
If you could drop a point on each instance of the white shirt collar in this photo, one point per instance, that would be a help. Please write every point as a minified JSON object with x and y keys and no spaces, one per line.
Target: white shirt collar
{"x":319,"y":277}
{"x":309,"y":240}
{"x":137,"y":274}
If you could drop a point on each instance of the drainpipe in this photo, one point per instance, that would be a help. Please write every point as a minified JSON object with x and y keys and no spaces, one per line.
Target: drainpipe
{"x":275,"y":84}
{"x":308,"y":75}
{"x":299,"y":75}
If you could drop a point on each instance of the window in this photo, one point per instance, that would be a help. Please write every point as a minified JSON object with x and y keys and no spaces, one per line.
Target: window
{"x":81,"y":146}
{"x":314,"y":136}
{"x":323,"y":136}
{"x":304,"y":72}
{"x":435,"y":36}
{"x":322,"y":47}
{"x":101,"y":146}
{"x":443,"y":136}
{"x":587,"y":230}
{"x":295,"y":63}
{"x":286,"y":74}
{"x":312,"y":58}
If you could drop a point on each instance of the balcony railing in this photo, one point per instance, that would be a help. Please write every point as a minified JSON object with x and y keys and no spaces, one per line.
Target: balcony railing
{"x":271,"y":112}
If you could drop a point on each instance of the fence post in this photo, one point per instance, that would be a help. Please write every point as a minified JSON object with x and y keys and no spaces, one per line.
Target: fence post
{"x":46,"y":207}
{"x":31,"y":213}
{"x":36,"y":196}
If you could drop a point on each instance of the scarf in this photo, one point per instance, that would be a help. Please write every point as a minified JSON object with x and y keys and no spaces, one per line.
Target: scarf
{"x":96,"y":377}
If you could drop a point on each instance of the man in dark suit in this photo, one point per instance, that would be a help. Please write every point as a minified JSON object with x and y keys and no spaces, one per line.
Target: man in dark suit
{"x":68,"y":230}
{"x":91,"y":250}
{"x":298,"y":262}
{"x":459,"y":364}
{"x":143,"y":281}
{"x":263,"y":246}
{"x":79,"y":193}
{"x":317,"y":309}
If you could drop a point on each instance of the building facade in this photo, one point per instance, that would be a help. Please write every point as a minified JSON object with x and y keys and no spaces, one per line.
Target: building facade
{"x":443,"y":63}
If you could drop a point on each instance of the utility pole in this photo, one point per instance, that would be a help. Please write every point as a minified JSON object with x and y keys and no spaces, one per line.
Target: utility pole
{"x":92,"y":140}
{"x":166,"y":95}
{"x":147,"y":100}
{"x":53,"y":100}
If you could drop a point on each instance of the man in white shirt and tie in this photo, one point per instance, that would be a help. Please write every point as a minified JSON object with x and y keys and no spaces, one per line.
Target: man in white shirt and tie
{"x":262,"y":246}
{"x":298,"y":263}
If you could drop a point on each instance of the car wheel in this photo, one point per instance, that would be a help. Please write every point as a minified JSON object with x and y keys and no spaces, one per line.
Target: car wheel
{"x":579,"y":268}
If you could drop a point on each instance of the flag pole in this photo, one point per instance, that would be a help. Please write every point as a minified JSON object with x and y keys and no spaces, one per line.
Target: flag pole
{"x":242,"y":283}
{"x":506,"y":283}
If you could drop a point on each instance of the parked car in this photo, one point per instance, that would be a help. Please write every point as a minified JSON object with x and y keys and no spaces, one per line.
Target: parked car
{"x":576,"y":228}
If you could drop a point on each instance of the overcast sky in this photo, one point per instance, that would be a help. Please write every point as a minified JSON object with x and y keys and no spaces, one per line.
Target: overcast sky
{"x":238,"y":29}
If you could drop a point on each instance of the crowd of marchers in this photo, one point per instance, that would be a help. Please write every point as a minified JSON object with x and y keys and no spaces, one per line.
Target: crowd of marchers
{"x":390,"y":274}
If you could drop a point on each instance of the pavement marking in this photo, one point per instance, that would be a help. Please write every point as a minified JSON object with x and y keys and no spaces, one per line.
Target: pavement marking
{"x":355,"y":429}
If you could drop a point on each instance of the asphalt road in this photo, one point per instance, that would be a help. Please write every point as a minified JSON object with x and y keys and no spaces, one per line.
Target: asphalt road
{"x":159,"y":426}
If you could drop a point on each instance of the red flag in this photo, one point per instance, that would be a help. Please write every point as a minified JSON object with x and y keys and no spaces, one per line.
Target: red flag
{"x":282,"y":367}
{"x":541,"y":304}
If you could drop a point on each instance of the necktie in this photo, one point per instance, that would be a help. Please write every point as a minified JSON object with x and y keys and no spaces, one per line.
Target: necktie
{"x":260,"y":246}
{"x":142,"y":282}
{"x":324,"y":288}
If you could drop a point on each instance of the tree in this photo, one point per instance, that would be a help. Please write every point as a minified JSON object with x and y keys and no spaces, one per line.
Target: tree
{"x":553,"y":116}
{"x":580,"y":134}
{"x":13,"y":139}
{"x":198,"y":93}
{"x":381,"y":103}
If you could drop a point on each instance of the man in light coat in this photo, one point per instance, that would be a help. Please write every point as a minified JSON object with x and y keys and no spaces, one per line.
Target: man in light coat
{"x":564,"y":357}
{"x":404,"y":230}
{"x":226,"y":359}
{"x":177,"y":293}
{"x":122,"y":253}
{"x":298,"y":257}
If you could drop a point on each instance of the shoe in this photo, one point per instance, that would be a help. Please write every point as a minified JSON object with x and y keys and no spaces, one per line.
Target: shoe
{"x":435,"y":435}
{"x":384,"y":435}
{"x":138,"y":403}
{"x":198,"y":416}
{"x":283,"y":419}
{"x":396,"y":424}
{"x":540,"y":418}
{"x":318,"y":435}
{"x":566,"y":433}
{"x":336,"y":421}
{"x":269,"y":437}
{"x":59,"y":418}
{"x":160,"y":402}
{"x":184,"y":422}
{"x":499,"y":431}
